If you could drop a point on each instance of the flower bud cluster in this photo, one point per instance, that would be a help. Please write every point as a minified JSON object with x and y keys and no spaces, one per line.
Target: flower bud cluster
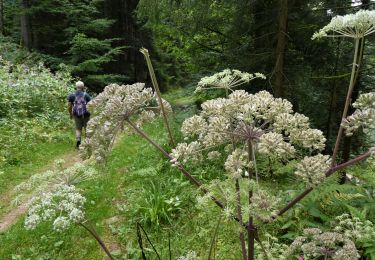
{"x":110,"y":108}
{"x":273,"y":248}
{"x":237,"y":164}
{"x":316,"y":243}
{"x":355,"y":25}
{"x":62,"y":206}
{"x":274,"y":144}
{"x":312,"y":169}
{"x":353,"y":228}
{"x":261,"y":118}
{"x":364,"y":116}
{"x":184,"y":151}
{"x":264,"y":205}
{"x":227,"y":79}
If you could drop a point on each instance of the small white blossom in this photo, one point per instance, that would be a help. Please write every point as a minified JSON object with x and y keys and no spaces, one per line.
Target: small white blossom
{"x":63,"y":204}
{"x":357,"y":25}
{"x":316,"y":243}
{"x":236,"y":163}
{"x":273,"y":144}
{"x":364,"y":115}
{"x":110,"y":108}
{"x":312,"y":169}
{"x":227,"y":79}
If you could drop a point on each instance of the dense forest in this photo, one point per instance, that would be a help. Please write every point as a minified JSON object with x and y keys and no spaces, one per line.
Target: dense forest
{"x":263,"y":47}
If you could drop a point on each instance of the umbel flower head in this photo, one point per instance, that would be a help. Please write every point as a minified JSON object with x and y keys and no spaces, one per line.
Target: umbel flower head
{"x":227,"y":79}
{"x":312,"y":169}
{"x":356,"y":25}
{"x":265,"y":121}
{"x":110,"y":108}
{"x":315,"y":243}
{"x":363,"y":116}
{"x":63,"y":206}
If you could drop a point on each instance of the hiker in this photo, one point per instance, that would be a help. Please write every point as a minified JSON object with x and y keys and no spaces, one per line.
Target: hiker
{"x":77,"y":109}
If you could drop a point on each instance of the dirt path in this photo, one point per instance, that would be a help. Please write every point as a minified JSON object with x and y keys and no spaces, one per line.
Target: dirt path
{"x":12,"y":214}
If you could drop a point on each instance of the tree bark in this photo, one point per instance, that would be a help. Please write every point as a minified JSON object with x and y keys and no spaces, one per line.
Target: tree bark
{"x":1,"y":17}
{"x":332,"y":117}
{"x":26,"y":40}
{"x":280,"y":48}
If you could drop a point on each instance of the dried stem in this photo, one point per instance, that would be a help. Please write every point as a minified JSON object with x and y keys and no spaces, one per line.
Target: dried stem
{"x":157,"y":90}
{"x":92,"y":231}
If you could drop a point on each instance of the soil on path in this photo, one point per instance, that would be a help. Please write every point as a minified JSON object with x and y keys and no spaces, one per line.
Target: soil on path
{"x":12,"y":214}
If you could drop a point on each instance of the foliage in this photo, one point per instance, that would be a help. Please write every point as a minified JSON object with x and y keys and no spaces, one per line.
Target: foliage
{"x":32,"y":105}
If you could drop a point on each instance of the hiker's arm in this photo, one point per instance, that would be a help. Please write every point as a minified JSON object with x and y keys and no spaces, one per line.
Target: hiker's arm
{"x":70,"y":109}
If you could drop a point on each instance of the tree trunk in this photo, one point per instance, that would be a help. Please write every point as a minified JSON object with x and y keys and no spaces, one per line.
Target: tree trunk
{"x":280,"y":48}
{"x":1,"y":17}
{"x":333,"y":113}
{"x":26,"y":40}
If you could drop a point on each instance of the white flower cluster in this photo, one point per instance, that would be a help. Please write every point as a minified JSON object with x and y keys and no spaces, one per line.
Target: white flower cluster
{"x":191,"y":255}
{"x":364,"y":116}
{"x":353,"y":228}
{"x":184,"y":151}
{"x":316,"y":243}
{"x":110,"y":109}
{"x":312,"y":169}
{"x":274,"y":144}
{"x":273,"y":248}
{"x":227,"y":79}
{"x":355,"y":25}
{"x":63,"y":206}
{"x":195,"y":125}
{"x":269,"y":122}
{"x":264,"y":205}
{"x":237,"y":164}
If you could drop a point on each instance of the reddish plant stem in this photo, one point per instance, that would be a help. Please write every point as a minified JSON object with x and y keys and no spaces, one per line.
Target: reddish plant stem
{"x":328,"y":173}
{"x":98,"y":239}
{"x":239,"y":215}
{"x":191,"y":178}
{"x":250,"y":228}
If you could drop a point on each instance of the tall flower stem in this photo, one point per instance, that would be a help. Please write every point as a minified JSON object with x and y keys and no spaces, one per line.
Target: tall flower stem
{"x":250,"y":228}
{"x":355,"y":68}
{"x":239,"y":215}
{"x":93,"y":232}
{"x":158,"y":93}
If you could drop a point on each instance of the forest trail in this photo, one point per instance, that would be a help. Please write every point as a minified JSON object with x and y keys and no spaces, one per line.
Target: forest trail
{"x":12,"y":214}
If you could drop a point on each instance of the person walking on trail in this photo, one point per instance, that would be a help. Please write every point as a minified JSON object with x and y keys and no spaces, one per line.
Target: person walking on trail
{"x":78,"y":110}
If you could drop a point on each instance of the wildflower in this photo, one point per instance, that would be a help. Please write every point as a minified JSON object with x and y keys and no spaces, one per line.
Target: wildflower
{"x":363,"y":116}
{"x":312,"y":169}
{"x":236,"y":163}
{"x":227,"y":79}
{"x":316,"y":243}
{"x":110,"y":108}
{"x":63,"y":204}
{"x":355,"y":25}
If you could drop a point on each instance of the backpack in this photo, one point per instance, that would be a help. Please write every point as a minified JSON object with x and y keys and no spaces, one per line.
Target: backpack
{"x":79,"y":108}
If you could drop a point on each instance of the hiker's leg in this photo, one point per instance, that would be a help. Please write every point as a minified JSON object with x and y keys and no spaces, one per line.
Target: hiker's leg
{"x":78,"y":122}
{"x":78,"y":134}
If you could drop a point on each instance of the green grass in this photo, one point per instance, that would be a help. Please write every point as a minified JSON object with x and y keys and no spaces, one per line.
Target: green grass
{"x":43,"y":154}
